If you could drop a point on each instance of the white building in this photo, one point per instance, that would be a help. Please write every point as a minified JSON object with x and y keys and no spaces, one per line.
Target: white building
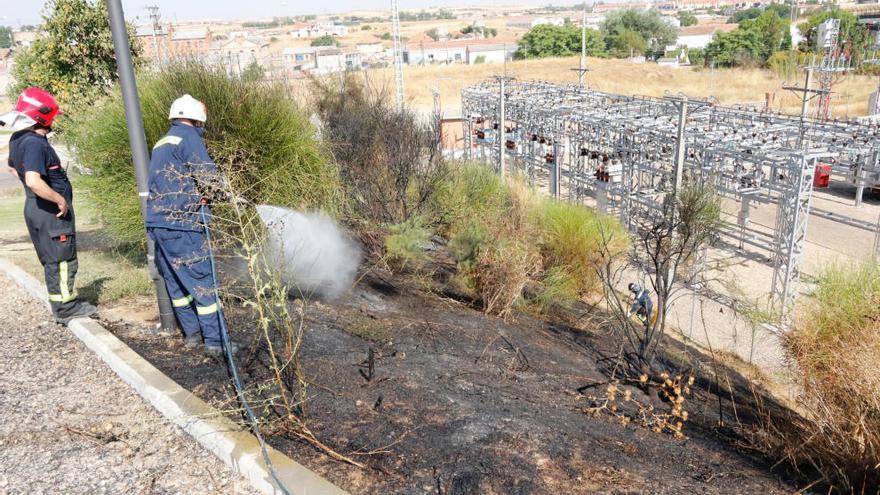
{"x":329,"y":60}
{"x":700,"y":36}
{"x":467,"y":51}
{"x":434,"y":52}
{"x":316,"y":30}
{"x":490,"y":53}
{"x":300,"y":59}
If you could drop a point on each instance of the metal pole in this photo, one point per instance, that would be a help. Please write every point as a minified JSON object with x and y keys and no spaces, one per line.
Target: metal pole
{"x":679,"y":149}
{"x":502,"y":133}
{"x":138,"y":141}
{"x":582,"y":72}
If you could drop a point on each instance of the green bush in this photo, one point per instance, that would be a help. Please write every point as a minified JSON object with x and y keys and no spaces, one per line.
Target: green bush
{"x":787,"y":63}
{"x":406,"y":242}
{"x":490,"y":233}
{"x":468,"y":206}
{"x":572,"y":239}
{"x":255,"y":132}
{"x":502,"y":236}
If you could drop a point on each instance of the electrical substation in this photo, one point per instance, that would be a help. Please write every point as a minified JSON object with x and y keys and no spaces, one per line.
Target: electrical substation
{"x":625,"y":154}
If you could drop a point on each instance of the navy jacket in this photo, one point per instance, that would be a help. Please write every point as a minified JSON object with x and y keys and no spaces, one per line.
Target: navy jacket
{"x":31,"y":152}
{"x":180,"y":171}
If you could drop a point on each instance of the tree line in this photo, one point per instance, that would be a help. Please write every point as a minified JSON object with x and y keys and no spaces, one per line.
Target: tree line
{"x":762,"y":37}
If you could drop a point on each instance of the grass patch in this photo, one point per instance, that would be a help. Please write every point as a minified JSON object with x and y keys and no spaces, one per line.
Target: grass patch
{"x":835,"y":344}
{"x":106,"y":273}
{"x":503,"y":237}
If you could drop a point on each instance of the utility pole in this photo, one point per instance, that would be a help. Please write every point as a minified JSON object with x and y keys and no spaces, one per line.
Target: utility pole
{"x":807,"y":94}
{"x":582,"y":71}
{"x":582,"y":68}
{"x":154,"y":16}
{"x":135,"y":123}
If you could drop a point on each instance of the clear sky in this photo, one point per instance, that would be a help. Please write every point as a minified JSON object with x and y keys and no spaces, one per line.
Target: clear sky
{"x":15,"y":12}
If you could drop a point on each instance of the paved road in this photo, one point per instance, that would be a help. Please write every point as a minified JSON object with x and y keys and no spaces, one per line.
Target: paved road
{"x":69,"y":425}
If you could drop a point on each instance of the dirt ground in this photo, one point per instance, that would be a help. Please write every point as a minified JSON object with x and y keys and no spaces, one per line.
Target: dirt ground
{"x":69,"y":425}
{"x":462,"y":403}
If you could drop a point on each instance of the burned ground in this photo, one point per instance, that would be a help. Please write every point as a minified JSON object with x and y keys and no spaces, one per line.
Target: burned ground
{"x":457,"y":402}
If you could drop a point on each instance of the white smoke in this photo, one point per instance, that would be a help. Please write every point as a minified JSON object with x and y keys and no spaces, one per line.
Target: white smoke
{"x":314,"y":255}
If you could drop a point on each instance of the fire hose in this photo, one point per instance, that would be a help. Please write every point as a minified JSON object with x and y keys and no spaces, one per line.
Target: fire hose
{"x":224,"y":335}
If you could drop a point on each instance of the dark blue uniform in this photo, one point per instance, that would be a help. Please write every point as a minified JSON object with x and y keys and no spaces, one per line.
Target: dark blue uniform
{"x":179,"y":169}
{"x":54,"y":238}
{"x":643,"y":306}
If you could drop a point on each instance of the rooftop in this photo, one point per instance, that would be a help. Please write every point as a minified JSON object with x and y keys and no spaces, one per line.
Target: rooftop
{"x":704,"y":29}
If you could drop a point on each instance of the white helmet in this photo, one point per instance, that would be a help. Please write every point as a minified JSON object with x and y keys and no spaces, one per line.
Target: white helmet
{"x":187,"y":107}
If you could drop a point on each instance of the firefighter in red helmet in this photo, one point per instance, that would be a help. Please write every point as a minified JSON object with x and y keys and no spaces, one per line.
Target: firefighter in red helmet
{"x":48,"y":208}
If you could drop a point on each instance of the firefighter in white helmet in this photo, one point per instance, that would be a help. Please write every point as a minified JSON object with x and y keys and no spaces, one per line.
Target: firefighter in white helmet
{"x":180,"y":180}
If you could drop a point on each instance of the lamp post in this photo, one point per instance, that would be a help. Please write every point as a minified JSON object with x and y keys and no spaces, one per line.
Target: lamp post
{"x":135,"y":123}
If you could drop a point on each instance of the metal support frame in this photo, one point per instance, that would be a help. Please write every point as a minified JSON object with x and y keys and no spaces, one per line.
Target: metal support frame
{"x":398,"y":55}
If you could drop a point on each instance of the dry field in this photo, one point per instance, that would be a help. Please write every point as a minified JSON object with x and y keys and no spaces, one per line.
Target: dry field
{"x":620,"y":76}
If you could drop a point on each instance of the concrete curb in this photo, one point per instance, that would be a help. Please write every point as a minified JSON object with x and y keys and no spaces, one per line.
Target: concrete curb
{"x":236,"y":447}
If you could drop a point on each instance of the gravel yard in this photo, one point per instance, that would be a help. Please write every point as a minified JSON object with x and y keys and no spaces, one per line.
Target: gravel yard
{"x":69,"y":425}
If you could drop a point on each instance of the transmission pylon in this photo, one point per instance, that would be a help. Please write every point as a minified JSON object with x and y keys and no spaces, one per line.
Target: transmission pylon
{"x":398,"y":55}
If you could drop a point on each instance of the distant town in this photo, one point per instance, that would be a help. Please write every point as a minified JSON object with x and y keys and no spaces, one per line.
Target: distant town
{"x":293,"y":47}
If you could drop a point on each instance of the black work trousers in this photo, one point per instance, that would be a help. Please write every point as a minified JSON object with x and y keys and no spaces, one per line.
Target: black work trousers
{"x":54,"y":240}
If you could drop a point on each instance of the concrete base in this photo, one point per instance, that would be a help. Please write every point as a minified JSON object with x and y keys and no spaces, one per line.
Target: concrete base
{"x":236,"y":447}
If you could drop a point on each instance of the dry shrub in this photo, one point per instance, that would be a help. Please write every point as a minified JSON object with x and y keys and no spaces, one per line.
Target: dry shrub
{"x":618,"y":400}
{"x":836,"y":345}
{"x":490,"y":232}
{"x":388,"y":158}
{"x":504,"y":266}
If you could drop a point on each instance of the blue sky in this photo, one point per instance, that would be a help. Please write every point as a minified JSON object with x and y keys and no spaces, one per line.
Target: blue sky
{"x":13,"y":12}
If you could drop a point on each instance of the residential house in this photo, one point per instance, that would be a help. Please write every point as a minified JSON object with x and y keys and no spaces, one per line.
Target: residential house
{"x":466,"y":51}
{"x":432,"y":52}
{"x":353,"y":60}
{"x":316,"y":30}
{"x":329,"y":60}
{"x":189,"y":44}
{"x":241,"y":50}
{"x":23,"y":39}
{"x":700,"y":35}
{"x":153,"y":41}
{"x":300,"y":59}
{"x":490,"y":51}
{"x":530,"y":22}
{"x":370,"y":48}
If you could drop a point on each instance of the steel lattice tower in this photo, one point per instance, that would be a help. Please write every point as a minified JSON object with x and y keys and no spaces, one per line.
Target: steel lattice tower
{"x":398,"y":55}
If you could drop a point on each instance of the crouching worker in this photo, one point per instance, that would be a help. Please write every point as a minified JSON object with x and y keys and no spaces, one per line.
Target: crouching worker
{"x":180,"y":178}
{"x":48,"y":204}
{"x":642,"y":305}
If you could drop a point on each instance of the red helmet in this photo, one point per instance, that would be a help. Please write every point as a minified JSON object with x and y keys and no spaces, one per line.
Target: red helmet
{"x":38,"y":105}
